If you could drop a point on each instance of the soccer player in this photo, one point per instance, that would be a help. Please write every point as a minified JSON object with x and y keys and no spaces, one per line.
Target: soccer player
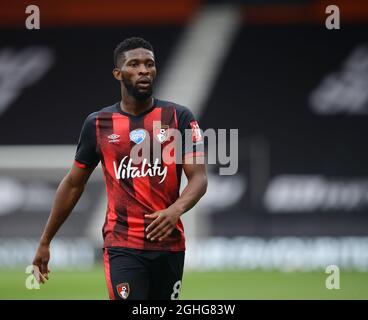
{"x":144,"y":241}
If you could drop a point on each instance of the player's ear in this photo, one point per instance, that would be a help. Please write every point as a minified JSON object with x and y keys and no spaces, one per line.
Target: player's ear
{"x":117,"y":74}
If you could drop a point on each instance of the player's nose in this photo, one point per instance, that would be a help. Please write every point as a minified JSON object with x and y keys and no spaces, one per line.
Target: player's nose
{"x":143,"y":70}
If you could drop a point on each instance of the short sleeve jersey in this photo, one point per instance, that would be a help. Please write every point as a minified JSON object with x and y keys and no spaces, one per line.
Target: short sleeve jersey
{"x":144,"y":181}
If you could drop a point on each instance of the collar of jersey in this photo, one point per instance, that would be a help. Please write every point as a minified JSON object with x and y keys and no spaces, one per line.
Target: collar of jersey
{"x":138,"y":115}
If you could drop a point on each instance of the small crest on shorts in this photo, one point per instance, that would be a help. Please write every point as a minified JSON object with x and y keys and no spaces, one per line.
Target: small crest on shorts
{"x":161,"y":132}
{"x":123,"y":290}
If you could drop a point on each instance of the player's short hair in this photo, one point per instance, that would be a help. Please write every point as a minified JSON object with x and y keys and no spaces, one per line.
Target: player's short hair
{"x":130,"y":44}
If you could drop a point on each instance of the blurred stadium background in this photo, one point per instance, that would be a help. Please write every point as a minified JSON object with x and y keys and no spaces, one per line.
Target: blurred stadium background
{"x":297,"y":92}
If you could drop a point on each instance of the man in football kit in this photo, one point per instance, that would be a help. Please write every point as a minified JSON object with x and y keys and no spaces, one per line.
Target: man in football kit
{"x":144,"y":241}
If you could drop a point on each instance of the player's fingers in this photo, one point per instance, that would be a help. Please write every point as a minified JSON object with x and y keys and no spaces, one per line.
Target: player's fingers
{"x":157,"y":230}
{"x":153,"y":224}
{"x":43,"y":267}
{"x":39,"y":278}
{"x":168,"y":232}
{"x":163,"y":232}
{"x":43,"y":278}
{"x":37,"y":274}
{"x":44,"y":271}
{"x":152,"y":215}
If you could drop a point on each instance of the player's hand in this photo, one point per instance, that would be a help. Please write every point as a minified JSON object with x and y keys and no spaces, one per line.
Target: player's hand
{"x":40,"y":263}
{"x":163,"y":224}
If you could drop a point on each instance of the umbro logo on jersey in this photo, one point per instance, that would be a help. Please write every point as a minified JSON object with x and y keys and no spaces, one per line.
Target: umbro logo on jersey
{"x":113,"y":137}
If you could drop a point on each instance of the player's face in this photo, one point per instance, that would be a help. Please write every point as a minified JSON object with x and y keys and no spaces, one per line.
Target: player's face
{"x":138,"y":72}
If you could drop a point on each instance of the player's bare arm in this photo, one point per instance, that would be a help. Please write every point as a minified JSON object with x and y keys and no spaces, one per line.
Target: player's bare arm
{"x":165,"y":220}
{"x":66,"y":197}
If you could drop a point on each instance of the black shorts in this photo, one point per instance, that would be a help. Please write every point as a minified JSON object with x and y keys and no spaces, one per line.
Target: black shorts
{"x":135,"y":274}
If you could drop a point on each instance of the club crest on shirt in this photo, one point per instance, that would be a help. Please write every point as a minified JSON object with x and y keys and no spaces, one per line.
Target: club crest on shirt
{"x":137,"y":135}
{"x":123,"y":290}
{"x":161,"y":132}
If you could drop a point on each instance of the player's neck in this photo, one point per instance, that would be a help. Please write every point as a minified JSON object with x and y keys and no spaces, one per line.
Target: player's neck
{"x":130,"y":105}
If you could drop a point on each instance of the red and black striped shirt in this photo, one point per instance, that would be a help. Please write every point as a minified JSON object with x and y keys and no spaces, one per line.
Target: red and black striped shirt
{"x":136,"y":189}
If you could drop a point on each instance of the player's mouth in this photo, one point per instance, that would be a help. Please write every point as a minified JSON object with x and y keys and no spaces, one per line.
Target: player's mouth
{"x":144,"y":83}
